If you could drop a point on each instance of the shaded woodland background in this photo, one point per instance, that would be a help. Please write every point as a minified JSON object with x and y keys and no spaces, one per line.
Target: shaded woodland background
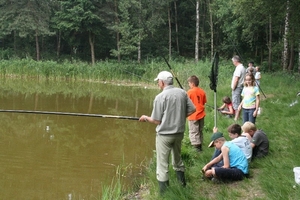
{"x":266,"y":32}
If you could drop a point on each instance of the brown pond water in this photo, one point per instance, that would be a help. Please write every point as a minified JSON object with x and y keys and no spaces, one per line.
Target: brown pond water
{"x":70,"y":157}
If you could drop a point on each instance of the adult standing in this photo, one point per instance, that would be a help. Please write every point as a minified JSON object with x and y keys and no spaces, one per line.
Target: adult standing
{"x":237,"y":83}
{"x":196,"y":120}
{"x":170,"y":109}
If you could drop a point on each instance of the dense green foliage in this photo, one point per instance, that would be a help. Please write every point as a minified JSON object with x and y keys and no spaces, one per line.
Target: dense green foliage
{"x":95,"y":30}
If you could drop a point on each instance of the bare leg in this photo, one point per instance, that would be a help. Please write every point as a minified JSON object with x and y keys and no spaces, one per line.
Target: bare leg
{"x":237,"y":115}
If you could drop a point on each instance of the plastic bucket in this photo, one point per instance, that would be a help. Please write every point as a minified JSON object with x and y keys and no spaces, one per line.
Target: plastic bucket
{"x":297,"y":174}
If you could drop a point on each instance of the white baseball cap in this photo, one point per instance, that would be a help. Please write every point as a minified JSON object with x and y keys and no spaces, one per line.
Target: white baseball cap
{"x":164,"y":75}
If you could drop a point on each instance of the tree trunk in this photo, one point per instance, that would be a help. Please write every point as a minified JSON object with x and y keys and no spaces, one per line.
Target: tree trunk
{"x":37,"y":46}
{"x":202,"y":10}
{"x":299,"y":57}
{"x":292,"y":56}
{"x":139,"y":57}
{"x":117,"y":33}
{"x":15,"y":42}
{"x":92,"y":41}
{"x":197,"y":33}
{"x":211,"y":31}
{"x":139,"y":51}
{"x":176,"y":28}
{"x":270,"y":44}
{"x":118,"y":46}
{"x":170,"y":33}
{"x":285,"y":40}
{"x":58,"y":43}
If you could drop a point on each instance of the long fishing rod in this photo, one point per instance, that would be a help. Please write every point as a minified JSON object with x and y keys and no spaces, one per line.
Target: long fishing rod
{"x":68,"y":113}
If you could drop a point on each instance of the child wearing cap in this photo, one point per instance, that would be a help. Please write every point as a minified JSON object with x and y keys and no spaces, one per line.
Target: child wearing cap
{"x":235,"y":164}
{"x":242,"y":140}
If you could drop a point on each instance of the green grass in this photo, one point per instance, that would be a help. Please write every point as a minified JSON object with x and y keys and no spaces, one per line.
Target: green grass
{"x":271,"y":177}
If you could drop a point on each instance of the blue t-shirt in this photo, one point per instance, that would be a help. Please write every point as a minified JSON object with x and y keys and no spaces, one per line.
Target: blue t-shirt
{"x":237,"y":158}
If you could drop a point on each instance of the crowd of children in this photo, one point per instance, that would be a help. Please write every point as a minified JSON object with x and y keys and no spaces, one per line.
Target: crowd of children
{"x":230,"y":160}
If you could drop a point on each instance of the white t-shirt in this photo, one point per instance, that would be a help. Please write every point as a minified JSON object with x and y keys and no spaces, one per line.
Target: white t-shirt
{"x":257,"y":75}
{"x":244,"y":145}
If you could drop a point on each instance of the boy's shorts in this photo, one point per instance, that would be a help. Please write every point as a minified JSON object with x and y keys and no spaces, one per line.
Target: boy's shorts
{"x":233,"y":174}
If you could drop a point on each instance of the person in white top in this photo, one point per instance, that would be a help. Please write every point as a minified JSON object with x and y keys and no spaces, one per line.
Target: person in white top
{"x":257,"y":75}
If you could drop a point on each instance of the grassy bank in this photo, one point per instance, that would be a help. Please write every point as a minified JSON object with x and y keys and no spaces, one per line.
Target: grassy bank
{"x":271,"y":177}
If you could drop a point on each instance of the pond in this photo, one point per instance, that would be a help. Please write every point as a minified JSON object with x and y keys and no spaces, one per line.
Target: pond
{"x":71,"y":157}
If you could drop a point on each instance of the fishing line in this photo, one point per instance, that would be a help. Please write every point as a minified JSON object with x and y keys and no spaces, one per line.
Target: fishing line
{"x":70,"y":114}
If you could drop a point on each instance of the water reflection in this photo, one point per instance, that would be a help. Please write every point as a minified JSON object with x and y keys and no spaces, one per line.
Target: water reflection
{"x":63,"y":157}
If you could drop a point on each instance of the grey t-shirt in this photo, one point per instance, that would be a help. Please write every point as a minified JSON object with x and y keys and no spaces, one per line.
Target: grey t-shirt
{"x":240,"y":72}
{"x":171,"y":107}
{"x":261,"y":142}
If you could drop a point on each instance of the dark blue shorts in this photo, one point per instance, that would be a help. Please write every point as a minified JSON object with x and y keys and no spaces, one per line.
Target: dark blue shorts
{"x":232,"y":174}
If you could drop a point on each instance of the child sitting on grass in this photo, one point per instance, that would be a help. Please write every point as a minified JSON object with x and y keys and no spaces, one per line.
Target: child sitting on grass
{"x":259,"y":141}
{"x":227,"y":108}
{"x":242,"y":140}
{"x":235,"y":164}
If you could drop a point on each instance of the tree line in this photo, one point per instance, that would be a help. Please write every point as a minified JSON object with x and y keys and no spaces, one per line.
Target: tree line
{"x":266,"y":32}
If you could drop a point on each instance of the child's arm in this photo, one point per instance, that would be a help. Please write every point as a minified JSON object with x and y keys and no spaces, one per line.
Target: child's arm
{"x":241,"y":104}
{"x":257,"y":101}
{"x":230,"y":112}
{"x":222,"y":107}
{"x":212,"y":162}
{"x":215,"y":129}
{"x":225,"y":152}
{"x":248,"y":136}
{"x":237,"y":112}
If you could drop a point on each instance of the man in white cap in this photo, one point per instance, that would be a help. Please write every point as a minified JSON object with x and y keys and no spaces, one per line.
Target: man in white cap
{"x":170,"y":109}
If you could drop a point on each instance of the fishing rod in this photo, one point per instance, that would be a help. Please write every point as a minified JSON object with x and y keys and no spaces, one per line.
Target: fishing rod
{"x":69,"y":114}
